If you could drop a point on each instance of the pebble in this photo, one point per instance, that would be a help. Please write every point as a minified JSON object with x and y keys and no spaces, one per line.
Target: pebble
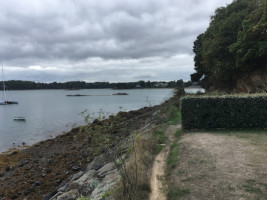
{"x":58,"y":180}
{"x":57,"y":174}
{"x":75,"y":168}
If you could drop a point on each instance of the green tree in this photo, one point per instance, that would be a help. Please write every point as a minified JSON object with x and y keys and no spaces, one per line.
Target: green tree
{"x":234,"y":42}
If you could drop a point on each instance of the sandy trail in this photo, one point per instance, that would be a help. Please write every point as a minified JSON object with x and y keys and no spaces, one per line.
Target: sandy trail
{"x":158,"y":170}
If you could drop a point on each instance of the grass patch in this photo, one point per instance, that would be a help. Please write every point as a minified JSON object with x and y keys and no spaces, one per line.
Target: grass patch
{"x":82,"y":198}
{"x":172,"y":158}
{"x":160,"y":136}
{"x":174,"y":193}
{"x":178,"y":133}
{"x":158,"y":148}
{"x":174,"y":115}
{"x":250,"y":187}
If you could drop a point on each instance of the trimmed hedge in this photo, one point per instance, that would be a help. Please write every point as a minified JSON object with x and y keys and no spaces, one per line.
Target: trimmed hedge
{"x":211,"y":112}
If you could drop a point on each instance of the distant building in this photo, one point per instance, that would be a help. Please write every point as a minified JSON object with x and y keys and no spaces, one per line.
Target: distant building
{"x":164,"y":84}
{"x":138,"y":86}
{"x":161,"y":84}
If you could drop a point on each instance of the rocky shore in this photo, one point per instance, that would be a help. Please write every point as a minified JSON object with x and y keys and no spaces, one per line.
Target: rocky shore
{"x":73,"y":163}
{"x":95,"y":180}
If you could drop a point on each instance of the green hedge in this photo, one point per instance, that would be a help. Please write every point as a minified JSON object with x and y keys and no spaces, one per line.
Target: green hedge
{"x":211,"y":112}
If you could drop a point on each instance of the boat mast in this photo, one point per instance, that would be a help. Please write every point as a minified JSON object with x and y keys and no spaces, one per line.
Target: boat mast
{"x":4,"y":87}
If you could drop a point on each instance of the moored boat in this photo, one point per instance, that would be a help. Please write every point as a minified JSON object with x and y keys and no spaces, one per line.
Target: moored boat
{"x":11,"y":102}
{"x":6,"y":102}
{"x":19,"y":118}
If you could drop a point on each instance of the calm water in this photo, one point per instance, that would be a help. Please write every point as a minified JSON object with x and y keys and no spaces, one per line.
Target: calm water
{"x":49,"y":112}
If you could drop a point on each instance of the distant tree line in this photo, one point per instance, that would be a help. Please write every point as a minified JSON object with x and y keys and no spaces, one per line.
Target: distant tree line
{"x":235,"y":43}
{"x":29,"y":85}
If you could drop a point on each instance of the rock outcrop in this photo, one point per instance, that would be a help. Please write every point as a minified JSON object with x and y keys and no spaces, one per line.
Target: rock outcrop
{"x":252,"y":83}
{"x":99,"y":176}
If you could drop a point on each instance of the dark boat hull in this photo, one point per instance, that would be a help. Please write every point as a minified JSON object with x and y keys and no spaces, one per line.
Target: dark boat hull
{"x":11,"y":102}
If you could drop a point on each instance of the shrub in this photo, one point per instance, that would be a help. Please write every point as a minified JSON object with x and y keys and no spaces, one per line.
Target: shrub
{"x":176,"y":193}
{"x":172,"y":158}
{"x":174,"y":115}
{"x":232,"y":111}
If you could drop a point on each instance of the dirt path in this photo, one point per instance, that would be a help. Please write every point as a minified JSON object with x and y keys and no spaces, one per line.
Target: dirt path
{"x":158,"y":170}
{"x":222,"y":166}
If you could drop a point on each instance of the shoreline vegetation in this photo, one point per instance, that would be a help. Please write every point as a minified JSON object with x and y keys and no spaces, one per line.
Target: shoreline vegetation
{"x":76,"y":85}
{"x":42,"y":168}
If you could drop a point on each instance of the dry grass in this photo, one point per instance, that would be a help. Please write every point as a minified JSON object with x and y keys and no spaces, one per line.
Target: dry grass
{"x":229,"y":165}
{"x":138,"y":167}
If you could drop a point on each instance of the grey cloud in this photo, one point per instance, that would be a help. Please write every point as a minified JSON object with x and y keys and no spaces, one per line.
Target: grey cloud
{"x":35,"y":32}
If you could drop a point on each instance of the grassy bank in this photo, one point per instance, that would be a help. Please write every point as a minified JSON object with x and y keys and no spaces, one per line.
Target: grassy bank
{"x":145,"y":147}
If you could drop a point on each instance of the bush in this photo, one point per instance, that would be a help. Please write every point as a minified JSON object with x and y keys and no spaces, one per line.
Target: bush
{"x":210,"y":112}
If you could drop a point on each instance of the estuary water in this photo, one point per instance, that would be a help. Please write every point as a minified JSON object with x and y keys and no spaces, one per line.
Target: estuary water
{"x":48,"y":113}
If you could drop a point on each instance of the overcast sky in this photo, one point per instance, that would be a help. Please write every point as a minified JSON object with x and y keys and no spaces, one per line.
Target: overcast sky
{"x":101,"y":40}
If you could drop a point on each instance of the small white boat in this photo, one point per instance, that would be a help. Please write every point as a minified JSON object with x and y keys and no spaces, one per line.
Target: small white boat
{"x":6,"y":102}
{"x":19,"y":118}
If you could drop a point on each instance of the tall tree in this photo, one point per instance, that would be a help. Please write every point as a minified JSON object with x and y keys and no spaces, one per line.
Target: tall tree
{"x":234,"y":42}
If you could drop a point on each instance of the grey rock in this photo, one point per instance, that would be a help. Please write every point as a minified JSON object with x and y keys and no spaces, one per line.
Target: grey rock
{"x":58,"y":180}
{"x":99,"y":177}
{"x":70,"y":195}
{"x":75,"y":168}
{"x":85,"y":177}
{"x":105,"y":170}
{"x":77,"y":175}
{"x":97,"y":163}
{"x":63,"y":188}
{"x":73,"y":186}
{"x":85,"y":190}
{"x":156,"y":113}
{"x":109,"y":181}
{"x":52,"y":195}
{"x":94,"y":183}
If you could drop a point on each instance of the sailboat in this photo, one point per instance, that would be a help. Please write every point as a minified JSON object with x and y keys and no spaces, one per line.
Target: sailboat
{"x":6,"y":102}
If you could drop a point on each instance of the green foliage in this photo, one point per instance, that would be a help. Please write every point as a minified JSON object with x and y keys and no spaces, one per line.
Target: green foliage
{"x":104,"y":195}
{"x":175,"y":193}
{"x":82,"y":198}
{"x":160,"y":136}
{"x":158,"y":148}
{"x":174,"y":115}
{"x":172,"y":158}
{"x":211,"y":112}
{"x":235,"y":42}
{"x":73,"y":85}
{"x":252,"y":187}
